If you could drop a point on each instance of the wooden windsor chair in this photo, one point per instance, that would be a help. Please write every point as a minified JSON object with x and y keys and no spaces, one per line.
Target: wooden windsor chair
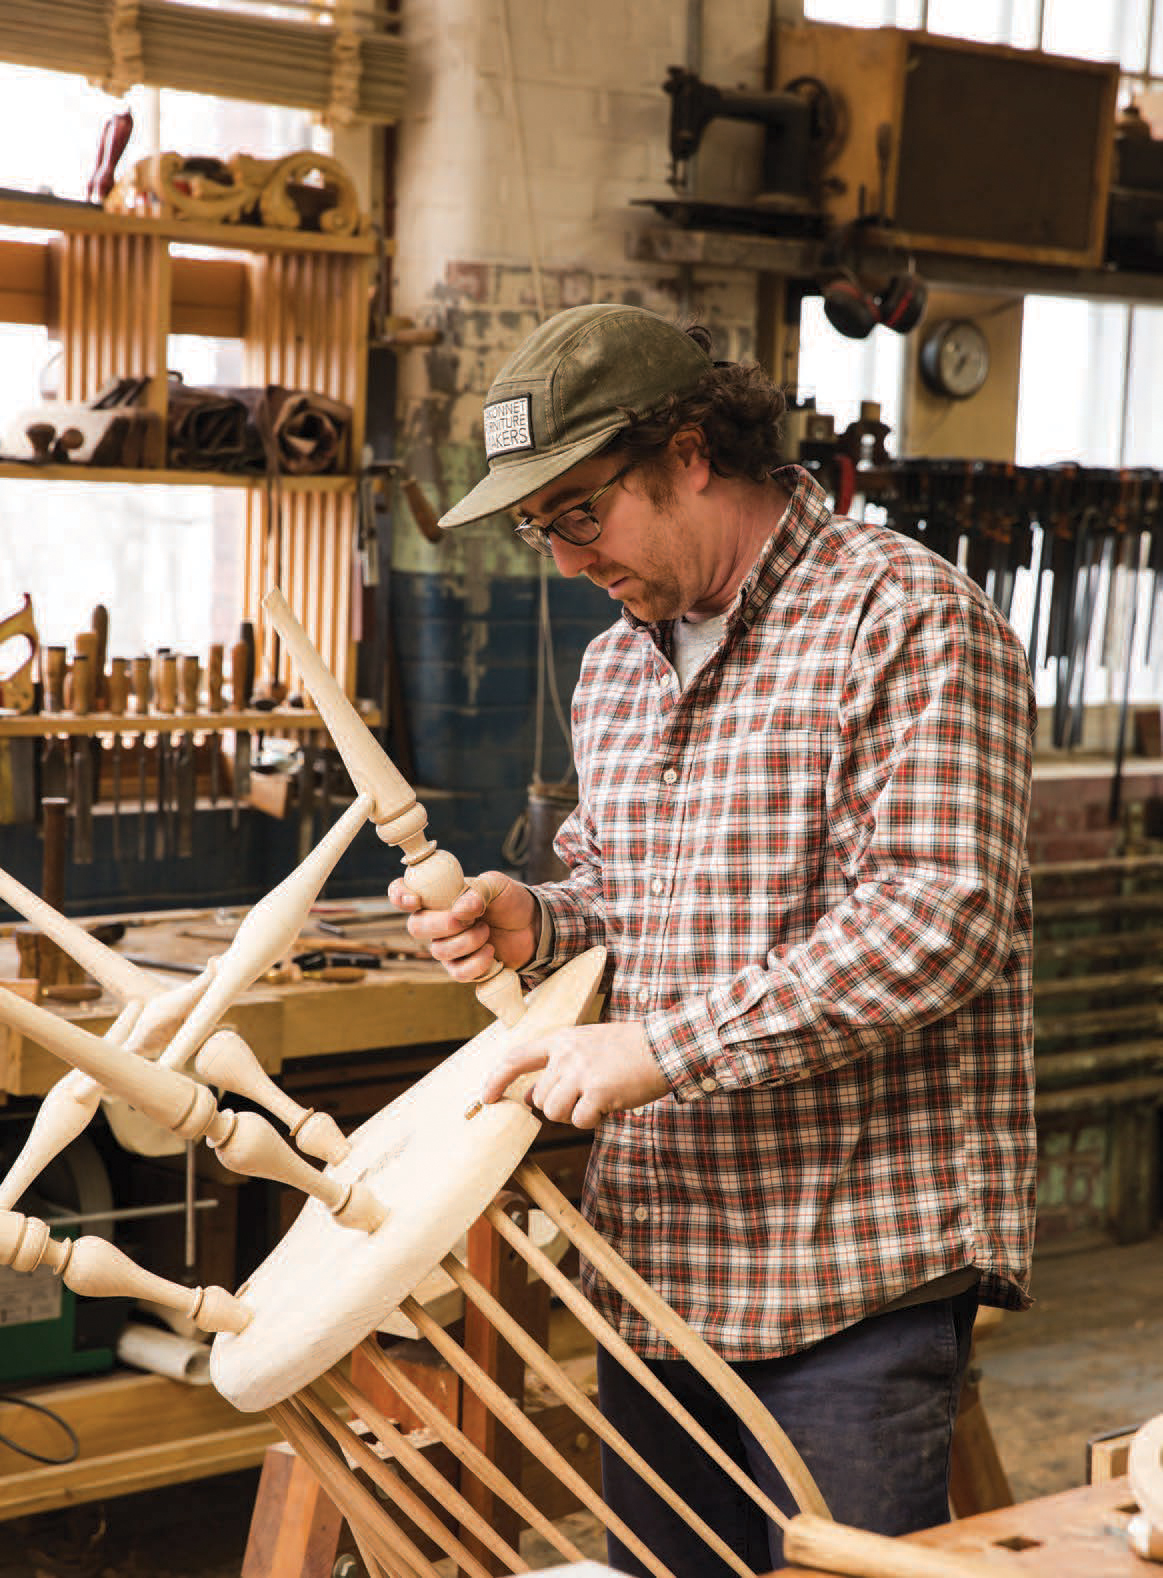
{"x":318,"y":1299}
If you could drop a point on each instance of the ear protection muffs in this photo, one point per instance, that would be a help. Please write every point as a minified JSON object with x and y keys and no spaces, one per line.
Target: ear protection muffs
{"x":853,"y":310}
{"x":849,"y":308}
{"x":901,"y":305}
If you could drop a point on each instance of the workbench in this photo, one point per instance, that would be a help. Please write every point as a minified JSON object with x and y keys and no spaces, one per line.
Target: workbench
{"x":411,"y":1001}
{"x":1074,"y":1534}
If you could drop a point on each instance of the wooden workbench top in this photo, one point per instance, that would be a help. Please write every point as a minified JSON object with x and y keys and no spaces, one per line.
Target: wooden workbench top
{"x":410,"y":1001}
{"x":1075,"y":1534}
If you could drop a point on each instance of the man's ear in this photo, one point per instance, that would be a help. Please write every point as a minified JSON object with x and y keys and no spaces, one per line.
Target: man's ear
{"x":689,"y":449}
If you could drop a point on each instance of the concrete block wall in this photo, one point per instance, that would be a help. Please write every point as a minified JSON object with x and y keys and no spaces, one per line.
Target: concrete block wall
{"x":532,"y":128}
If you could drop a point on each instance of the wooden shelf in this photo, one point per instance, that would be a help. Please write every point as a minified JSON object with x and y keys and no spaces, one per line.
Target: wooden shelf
{"x":291,"y":720}
{"x":300,"y":301}
{"x":803,"y":259}
{"x":33,"y":213}
{"x":136,"y":1432}
{"x":168,"y":477}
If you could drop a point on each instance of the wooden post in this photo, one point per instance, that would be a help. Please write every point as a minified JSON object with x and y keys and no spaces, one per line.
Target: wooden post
{"x":295,"y":1530}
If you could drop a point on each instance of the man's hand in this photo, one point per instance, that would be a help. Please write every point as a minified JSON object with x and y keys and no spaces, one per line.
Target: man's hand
{"x":474,"y":930}
{"x":586,"y":1071}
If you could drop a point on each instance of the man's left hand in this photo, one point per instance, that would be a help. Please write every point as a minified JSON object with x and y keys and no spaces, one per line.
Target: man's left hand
{"x":586,"y":1071}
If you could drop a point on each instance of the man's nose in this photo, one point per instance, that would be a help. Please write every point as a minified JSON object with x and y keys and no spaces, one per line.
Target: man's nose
{"x":572,"y":558}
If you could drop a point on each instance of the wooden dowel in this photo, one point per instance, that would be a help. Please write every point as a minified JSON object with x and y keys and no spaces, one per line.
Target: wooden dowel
{"x":391,"y":1485}
{"x":388,"y":1543}
{"x":266,"y":933}
{"x":433,"y":874}
{"x":465,"y":1450}
{"x":572,"y":1395}
{"x":516,"y":1421}
{"x":397,"y":1445}
{"x":714,"y":1369}
{"x":601,"y":1330}
{"x":116,"y":974}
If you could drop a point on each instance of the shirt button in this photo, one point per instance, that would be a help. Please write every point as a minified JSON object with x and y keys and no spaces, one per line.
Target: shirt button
{"x":643,"y":994}
{"x":656,"y":885}
{"x":642,"y":1213}
{"x":710,"y":1083}
{"x":670,"y":776}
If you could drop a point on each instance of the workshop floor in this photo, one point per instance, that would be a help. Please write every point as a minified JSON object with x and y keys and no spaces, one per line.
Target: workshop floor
{"x":1086,"y":1360}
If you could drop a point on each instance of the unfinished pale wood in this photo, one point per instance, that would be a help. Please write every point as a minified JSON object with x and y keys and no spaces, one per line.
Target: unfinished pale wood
{"x":513,"y":1417}
{"x":466,"y":1451}
{"x":116,"y":974}
{"x":823,"y":1546}
{"x":572,"y":1395}
{"x":245,"y":1142}
{"x":387,"y":1543}
{"x":397,"y":1446}
{"x":1145,"y":1470}
{"x":250,"y":1146}
{"x":64,"y":1114}
{"x":226,"y":1060}
{"x":322,"y":1290}
{"x":441,"y":1297}
{"x":715,"y":1369}
{"x":266,"y":933}
{"x":392,"y":1486}
{"x":150,"y":1014}
{"x":94,"y":1267}
{"x":434,"y":875}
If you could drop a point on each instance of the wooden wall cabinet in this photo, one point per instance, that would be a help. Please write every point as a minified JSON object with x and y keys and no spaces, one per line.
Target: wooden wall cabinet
{"x":114,"y":287}
{"x":968,"y":148}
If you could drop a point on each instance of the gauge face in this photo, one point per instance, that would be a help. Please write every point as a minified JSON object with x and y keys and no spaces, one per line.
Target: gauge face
{"x":954,"y":359}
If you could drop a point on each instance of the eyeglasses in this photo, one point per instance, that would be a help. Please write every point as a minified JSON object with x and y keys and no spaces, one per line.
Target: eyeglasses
{"x":578,"y":524}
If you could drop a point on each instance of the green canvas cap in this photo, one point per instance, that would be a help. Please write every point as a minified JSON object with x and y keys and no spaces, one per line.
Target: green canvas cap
{"x":567,"y":390}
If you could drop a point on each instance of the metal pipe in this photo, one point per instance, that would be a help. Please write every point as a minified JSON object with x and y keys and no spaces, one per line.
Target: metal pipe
{"x":694,"y":63}
{"x":127,"y":1213}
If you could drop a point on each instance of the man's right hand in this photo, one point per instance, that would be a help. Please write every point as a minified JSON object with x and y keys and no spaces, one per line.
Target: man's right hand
{"x":502,"y":920}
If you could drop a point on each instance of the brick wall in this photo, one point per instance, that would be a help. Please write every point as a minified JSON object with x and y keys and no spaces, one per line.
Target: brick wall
{"x":1070,"y":817}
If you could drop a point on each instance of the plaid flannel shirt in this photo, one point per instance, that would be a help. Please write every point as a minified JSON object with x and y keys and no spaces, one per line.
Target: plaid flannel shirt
{"x":809,"y":869}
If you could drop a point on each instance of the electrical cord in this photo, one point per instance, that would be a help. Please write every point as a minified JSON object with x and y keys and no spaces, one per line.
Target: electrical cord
{"x":39,"y":1408}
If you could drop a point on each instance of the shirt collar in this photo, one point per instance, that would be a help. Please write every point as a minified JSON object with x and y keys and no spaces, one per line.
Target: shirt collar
{"x":806,"y":511}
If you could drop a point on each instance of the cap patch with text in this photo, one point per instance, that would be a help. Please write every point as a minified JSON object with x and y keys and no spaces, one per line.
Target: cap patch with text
{"x":568,"y":391}
{"x":508,"y":426}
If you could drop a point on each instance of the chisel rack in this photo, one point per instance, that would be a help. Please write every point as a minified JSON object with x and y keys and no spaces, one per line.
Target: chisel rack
{"x":115,"y":287}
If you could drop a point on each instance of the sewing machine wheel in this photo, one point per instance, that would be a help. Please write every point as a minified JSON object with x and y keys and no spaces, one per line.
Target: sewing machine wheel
{"x":74,"y":1182}
{"x":325,"y":1287}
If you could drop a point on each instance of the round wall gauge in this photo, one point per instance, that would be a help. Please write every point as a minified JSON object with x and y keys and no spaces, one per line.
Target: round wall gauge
{"x":954,"y":358}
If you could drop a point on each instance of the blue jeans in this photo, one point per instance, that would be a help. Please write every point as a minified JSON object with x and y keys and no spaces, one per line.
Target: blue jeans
{"x":870,"y":1410}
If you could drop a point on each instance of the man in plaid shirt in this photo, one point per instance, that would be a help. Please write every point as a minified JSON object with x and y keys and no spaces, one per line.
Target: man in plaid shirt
{"x":804,"y":762}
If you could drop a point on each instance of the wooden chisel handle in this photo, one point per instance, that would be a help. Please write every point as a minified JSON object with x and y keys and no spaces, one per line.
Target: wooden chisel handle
{"x":189,"y":677}
{"x":166,"y":682}
{"x":82,"y":695}
{"x":54,"y":665}
{"x":214,"y":660}
{"x":142,"y":686}
{"x":119,"y":687}
{"x":240,"y":672}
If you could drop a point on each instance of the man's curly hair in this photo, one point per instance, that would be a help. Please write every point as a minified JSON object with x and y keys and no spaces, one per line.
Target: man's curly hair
{"x":737,"y":407}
